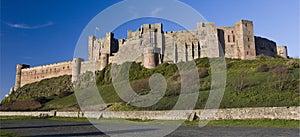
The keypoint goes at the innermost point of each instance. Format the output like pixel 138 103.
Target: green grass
pixel 17 117
pixel 43 88
pixel 277 123
pixel 69 119
pixel 61 103
pixel 4 133
pixel 258 89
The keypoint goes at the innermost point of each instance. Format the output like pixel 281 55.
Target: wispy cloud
pixel 26 26
pixel 156 11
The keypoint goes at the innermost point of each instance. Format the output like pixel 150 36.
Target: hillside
pixel 34 96
pixel 265 82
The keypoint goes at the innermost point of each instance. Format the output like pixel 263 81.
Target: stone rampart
pixel 34 74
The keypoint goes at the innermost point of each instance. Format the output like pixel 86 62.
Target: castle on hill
pixel 158 47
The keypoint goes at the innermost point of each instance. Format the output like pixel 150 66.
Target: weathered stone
pixel 207 40
pixel 292 113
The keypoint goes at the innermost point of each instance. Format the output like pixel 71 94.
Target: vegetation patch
pixel 17 117
pixel 270 123
pixel 267 123
pixel 264 82
pixel 4 133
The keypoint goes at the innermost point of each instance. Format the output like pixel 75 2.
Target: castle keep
pixel 158 47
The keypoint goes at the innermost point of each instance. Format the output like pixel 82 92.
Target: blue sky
pixel 40 32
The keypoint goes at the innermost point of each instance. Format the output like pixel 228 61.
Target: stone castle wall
pixel 207 40
pixel 282 51
pixel 34 74
pixel 265 47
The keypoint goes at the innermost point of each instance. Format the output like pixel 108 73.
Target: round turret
pixel 150 58
pixel 76 68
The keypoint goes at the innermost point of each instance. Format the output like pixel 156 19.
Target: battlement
pixel 159 46
pixel 26 74
pixel 46 66
pixel 201 25
pixel 145 28
pixel 158 27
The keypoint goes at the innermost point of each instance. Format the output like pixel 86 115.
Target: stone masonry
pixel 291 113
pixel 157 46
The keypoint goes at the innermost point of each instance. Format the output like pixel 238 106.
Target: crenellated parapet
pixel 158 46
pixel 26 74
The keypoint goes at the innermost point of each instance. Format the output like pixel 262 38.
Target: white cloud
pixel 155 11
pixel 25 26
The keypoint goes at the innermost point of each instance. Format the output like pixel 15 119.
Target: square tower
pixel 245 40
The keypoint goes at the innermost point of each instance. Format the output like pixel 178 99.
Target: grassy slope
pixel 44 88
pixel 65 103
pixel 258 90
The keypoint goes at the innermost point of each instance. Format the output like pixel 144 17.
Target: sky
pixel 38 32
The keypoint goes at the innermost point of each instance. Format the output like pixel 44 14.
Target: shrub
pixel 42 100
pixel 175 77
pixel 203 72
pixel 241 81
pixel 293 64
pixel 261 57
pixel 64 94
pixel 279 69
pixel 141 87
pixel 281 79
pixel 263 68
pixel 22 105
pixel 205 85
pixel 202 62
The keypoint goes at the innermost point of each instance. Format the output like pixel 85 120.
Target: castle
pixel 158 47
